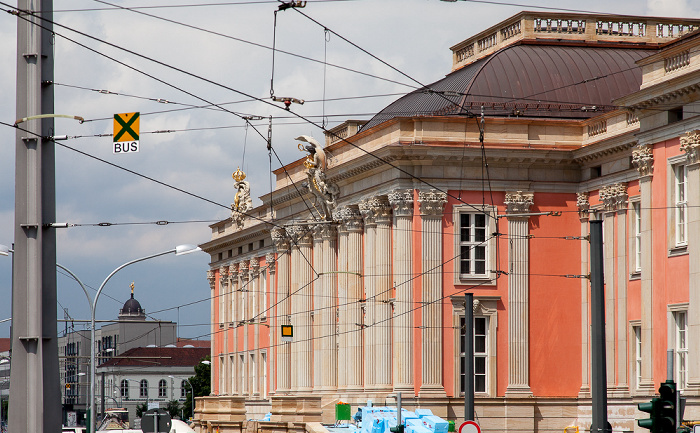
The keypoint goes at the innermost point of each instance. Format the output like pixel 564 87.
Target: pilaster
pixel 690 144
pixel 234 378
pixel 432 205
pixel 517 205
pixel 583 205
pixel 643 160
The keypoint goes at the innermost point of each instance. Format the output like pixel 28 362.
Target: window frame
pixel 124 389
pixel 676 210
pixel 486 309
pixel 678 340
pixel 489 277
pixel 635 237
pixel 143 388
pixel 162 388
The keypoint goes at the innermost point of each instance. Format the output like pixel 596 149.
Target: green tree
pixel 141 409
pixel 173 408
pixel 201 382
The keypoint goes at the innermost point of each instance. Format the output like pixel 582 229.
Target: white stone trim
pixel 489 279
pixel 485 306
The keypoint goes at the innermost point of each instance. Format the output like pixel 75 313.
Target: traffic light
pixel 661 410
pixel 68 387
pixel 667 407
pixel 653 409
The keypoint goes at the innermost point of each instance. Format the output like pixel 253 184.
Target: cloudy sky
pixel 194 53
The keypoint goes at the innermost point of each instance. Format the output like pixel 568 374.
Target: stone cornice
pixel 661 93
pixel 601 150
pixel 227 241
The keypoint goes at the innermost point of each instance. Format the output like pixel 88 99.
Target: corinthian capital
pixel 432 202
pixel 643 160
pixel 211 277
pixel 300 234
pixel 280 239
pixel 350 218
pixel 583 205
pixel 519 202
pixel 614 197
pixel 402 202
pixel 690 144
pixel 233 271
pixel 270 262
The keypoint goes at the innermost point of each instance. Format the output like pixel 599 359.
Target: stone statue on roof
pixel 324 192
pixel 242 202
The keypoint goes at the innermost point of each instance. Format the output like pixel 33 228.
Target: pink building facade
pixel 368 246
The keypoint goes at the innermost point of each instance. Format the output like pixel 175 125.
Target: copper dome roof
pixel 528 80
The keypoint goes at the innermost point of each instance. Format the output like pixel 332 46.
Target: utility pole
pixel 35 397
pixel 599 381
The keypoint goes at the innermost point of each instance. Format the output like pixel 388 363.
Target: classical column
pixel 328 307
pixel 233 349
pixel 342 281
pixel 317 285
pixel 370 294
pixel 273 322
pixel 607 197
pixel 402 203
pixel 517 205
pixel 584 215
pixel 244 272
pixel 643 160
pixel 691 145
pixel 211 277
pixel 351 320
pixel 254 294
pixel 283 309
pixel 301 292
pixel 224 292
pixel 431 203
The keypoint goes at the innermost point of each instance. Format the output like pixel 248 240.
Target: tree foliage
pixel 141 408
pixel 201 382
pixel 173 408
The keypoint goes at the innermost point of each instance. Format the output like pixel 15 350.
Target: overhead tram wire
pixel 163 82
pixel 240 3
pixel 145 177
pixel 254 43
pixel 13 9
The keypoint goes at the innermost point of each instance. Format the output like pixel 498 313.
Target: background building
pixel 368 245
pixel 131 331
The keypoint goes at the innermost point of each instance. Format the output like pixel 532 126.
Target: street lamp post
pixel 191 390
pixel 179 250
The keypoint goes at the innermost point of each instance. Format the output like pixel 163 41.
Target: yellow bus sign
pixel 125 137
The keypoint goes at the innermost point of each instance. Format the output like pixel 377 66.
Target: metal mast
pixel 35 396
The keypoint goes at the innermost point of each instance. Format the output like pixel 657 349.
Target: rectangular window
pixel 472 244
pixel 637 330
pixel 681 203
pixel 681 349
pixel 637 208
pixel 480 354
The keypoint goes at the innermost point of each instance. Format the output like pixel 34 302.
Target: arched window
pixel 162 388
pixel 124 388
pixel 143 388
pixel 183 389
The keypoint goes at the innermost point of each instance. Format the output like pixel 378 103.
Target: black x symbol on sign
pixel 125 125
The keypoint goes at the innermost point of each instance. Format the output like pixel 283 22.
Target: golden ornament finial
pixel 132 288
pixel 238 175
